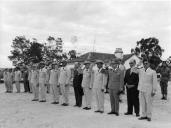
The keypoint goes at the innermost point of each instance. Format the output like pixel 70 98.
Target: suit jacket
pixel 77 80
pixel 54 76
pixel 116 79
pixel 34 77
pixel 86 81
pixel 17 76
pixel 131 78
pixel 42 76
pixel 65 76
pixel 99 79
pixel 147 80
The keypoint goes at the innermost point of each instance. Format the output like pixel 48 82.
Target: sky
pixel 100 26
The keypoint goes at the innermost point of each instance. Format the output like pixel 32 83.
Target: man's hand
pixel 153 94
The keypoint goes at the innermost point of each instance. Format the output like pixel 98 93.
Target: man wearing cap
pixel 131 81
pixel 42 82
pixel 5 77
pixel 165 76
pixel 86 85
pixel 17 78
pixel 64 80
pixel 25 79
pixel 99 80
pixel 54 76
pixel 77 79
pixel 115 85
pixel 34 81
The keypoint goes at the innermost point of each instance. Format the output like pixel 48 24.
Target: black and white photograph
pixel 85 63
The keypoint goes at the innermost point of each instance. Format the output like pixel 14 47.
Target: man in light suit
pixel 147 87
pixel 5 77
pixel 34 81
pixel 53 81
pixel 99 80
pixel 29 78
pixel 42 82
pixel 64 80
pixel 17 79
pixel 115 85
pixel 10 80
pixel 86 81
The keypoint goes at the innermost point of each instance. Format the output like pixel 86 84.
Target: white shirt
pixel 65 75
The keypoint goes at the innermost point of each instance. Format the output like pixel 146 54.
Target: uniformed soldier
pixel 86 85
pixel 165 76
pixel 54 76
pixel 17 79
pixel 64 80
pixel 26 81
pixel 42 83
pixel 99 80
pixel 116 82
pixel 34 80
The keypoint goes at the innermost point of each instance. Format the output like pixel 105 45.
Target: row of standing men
pixel 140 83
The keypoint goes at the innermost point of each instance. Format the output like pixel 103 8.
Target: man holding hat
pixel 87 72
pixel 99 80
pixel 64 80
pixel 54 76
pixel 115 85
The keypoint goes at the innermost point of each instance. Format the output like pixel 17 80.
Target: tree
pixel 19 52
pixel 35 52
pixel 150 49
pixel 72 54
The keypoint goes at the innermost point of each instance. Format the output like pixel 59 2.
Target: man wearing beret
pixel 99 80
pixel 115 85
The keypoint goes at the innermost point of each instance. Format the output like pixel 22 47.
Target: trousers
pixel 87 96
pixel 64 90
pixel 99 99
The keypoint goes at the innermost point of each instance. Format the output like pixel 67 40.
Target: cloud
pixel 111 24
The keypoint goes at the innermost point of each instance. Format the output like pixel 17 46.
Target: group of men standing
pixel 140 84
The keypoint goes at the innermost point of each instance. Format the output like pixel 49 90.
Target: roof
pixel 92 56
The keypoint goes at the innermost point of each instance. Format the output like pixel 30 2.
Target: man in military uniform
pixel 64 80
pixel 17 78
pixel 53 81
pixel 42 82
pixel 34 81
pixel 165 76
pixel 116 82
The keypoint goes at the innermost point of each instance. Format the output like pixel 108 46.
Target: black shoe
pixel 111 113
pixel 85 108
pixel 88 108
pixel 75 105
pixel 55 103
pixel 101 112
pixel 162 98
pixel 116 113
pixel 35 100
pixel 148 119
pixel 142 118
pixel 165 98
pixel 137 115
pixel 127 113
pixel 42 101
pixel 64 104
pixel 97 111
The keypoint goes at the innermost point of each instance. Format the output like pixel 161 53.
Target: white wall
pixel 127 61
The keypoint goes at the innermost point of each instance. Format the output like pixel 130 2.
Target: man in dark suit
pixel 131 81
pixel 77 80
